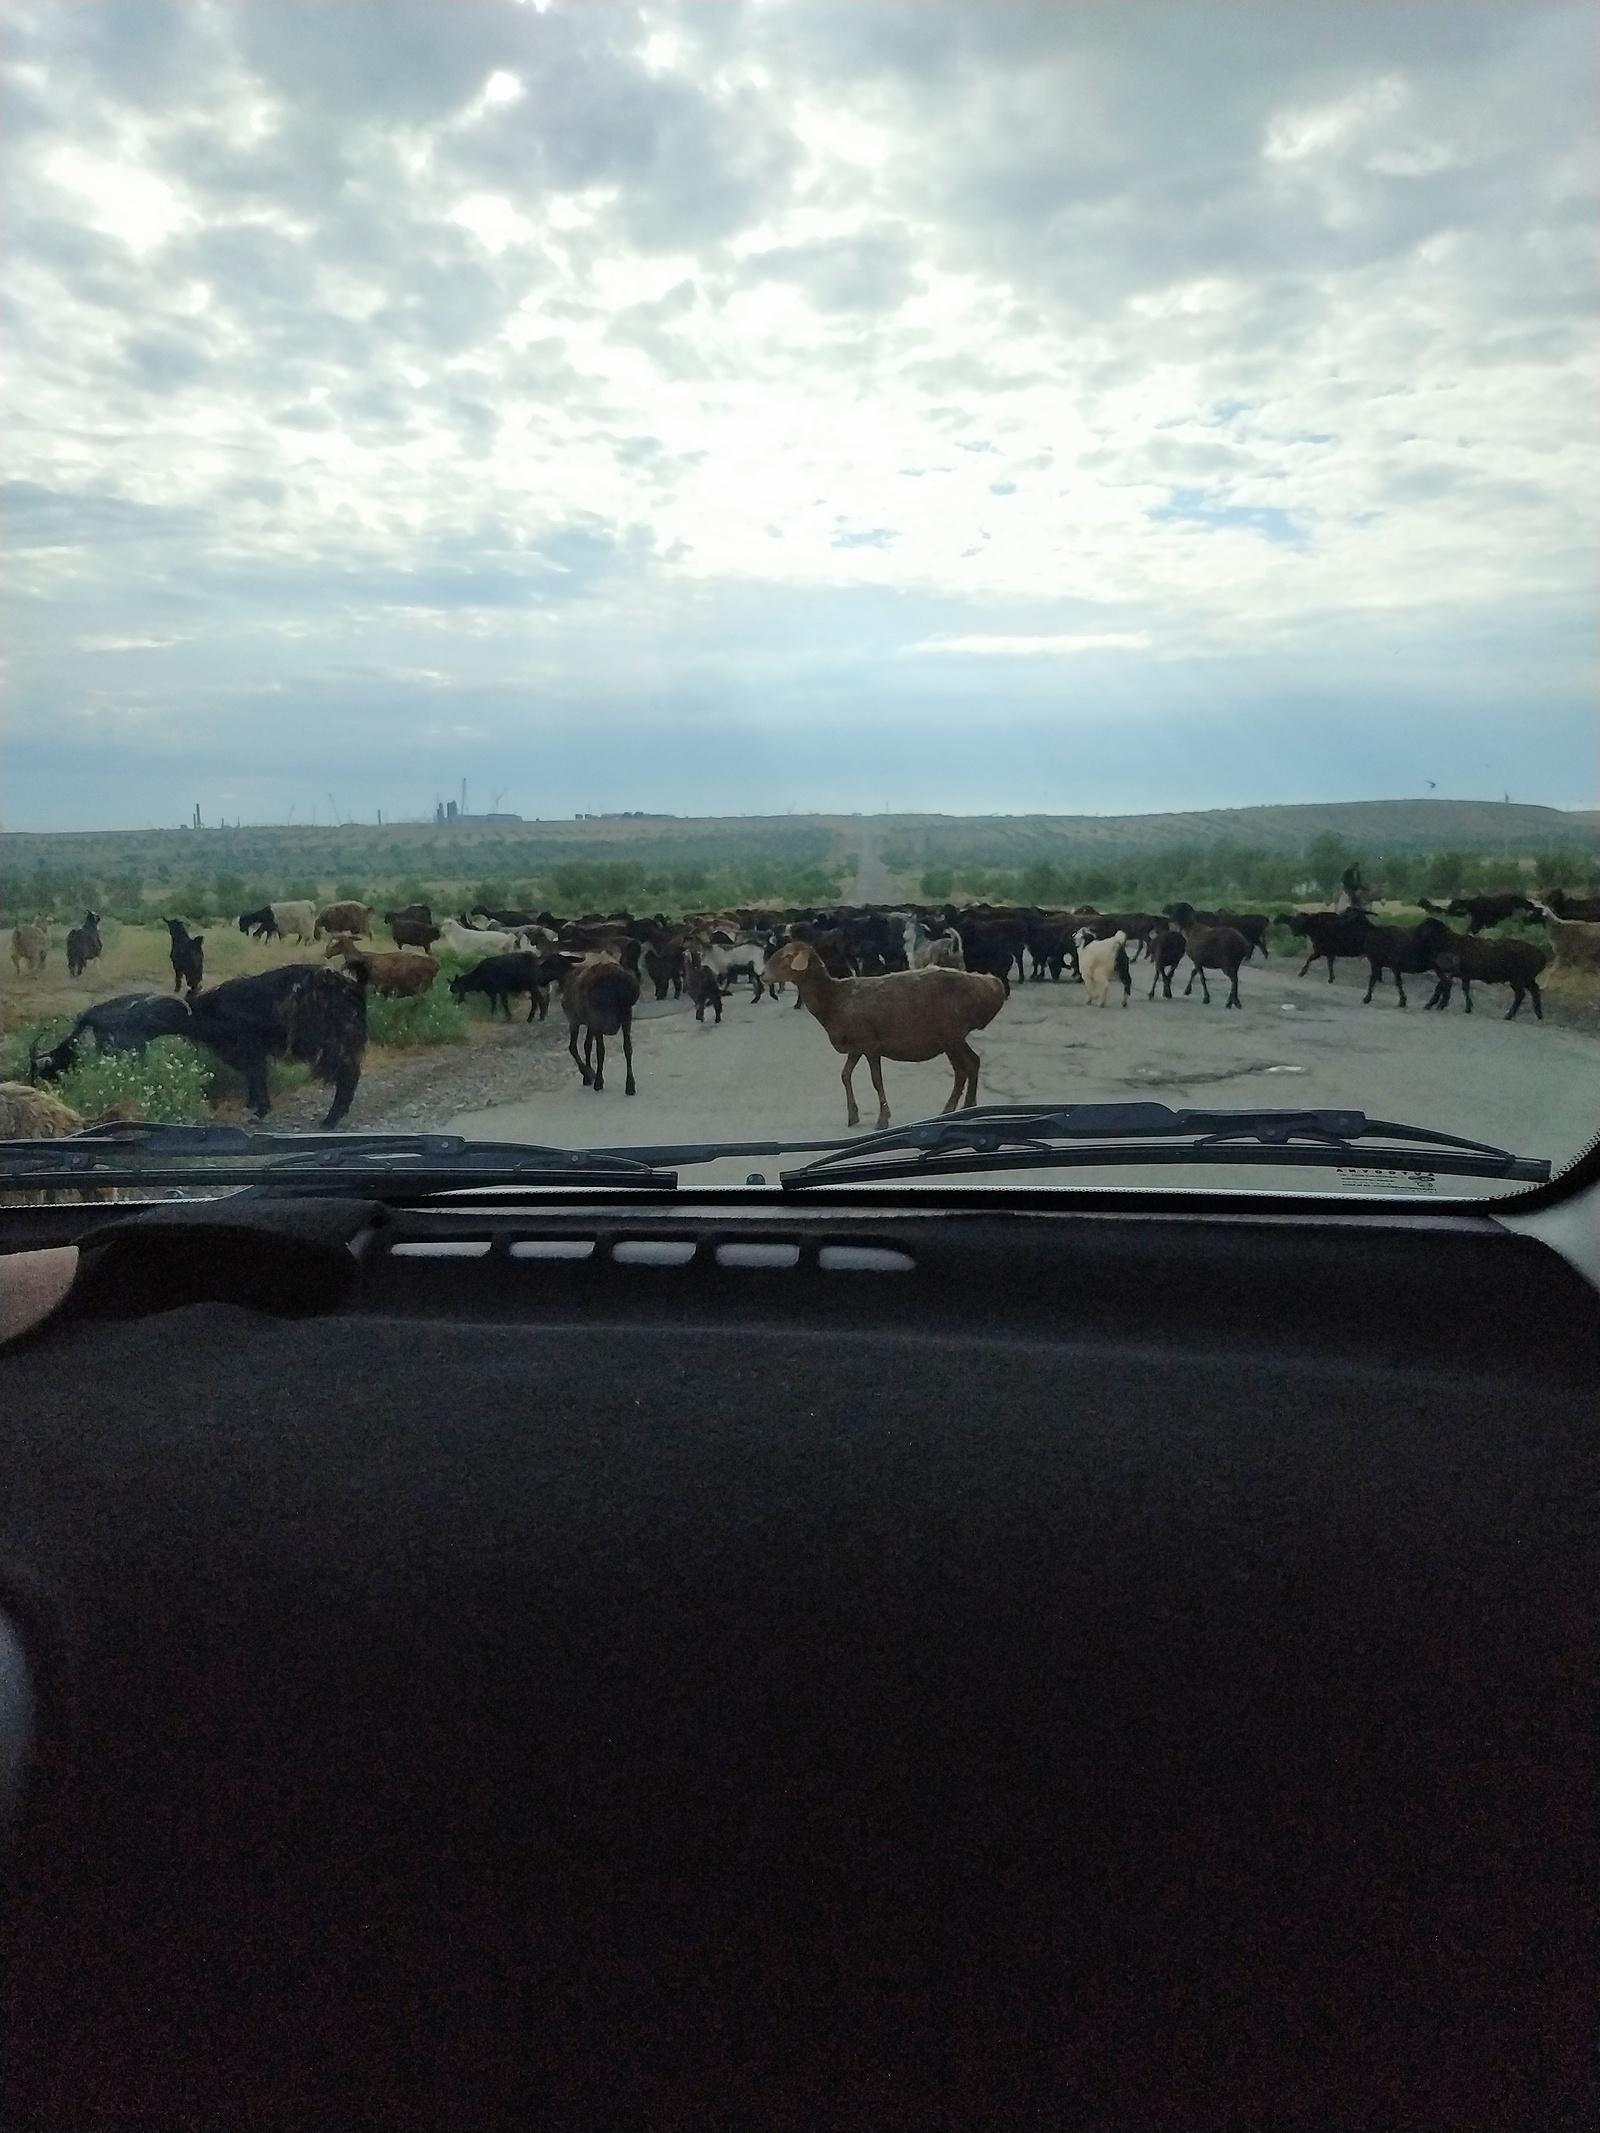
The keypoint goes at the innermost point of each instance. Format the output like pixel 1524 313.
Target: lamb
pixel 354 918
pixel 1097 961
pixel 1211 948
pixel 398 977
pixel 30 945
pixel 126 1024
pixel 83 944
pixel 598 997
pixel 261 925
pixel 188 957
pixel 908 1014
pixel 298 1011
pixel 1574 943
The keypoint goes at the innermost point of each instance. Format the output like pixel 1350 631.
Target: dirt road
pixel 768 1071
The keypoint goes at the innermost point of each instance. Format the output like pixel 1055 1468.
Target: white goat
pixel 932 951
pixel 1097 961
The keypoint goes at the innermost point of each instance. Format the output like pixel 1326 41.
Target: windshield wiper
pixel 198 1156
pixel 1065 1136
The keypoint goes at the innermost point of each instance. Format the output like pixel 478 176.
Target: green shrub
pixel 937 882
pixel 431 1018
pixel 170 1081
pixel 349 892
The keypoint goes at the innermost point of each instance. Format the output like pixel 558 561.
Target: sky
pixel 812 404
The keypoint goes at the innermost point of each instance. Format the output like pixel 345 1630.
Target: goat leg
pixel 875 1069
pixel 852 1116
pixel 630 1087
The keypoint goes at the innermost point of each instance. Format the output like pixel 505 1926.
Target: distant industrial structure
pixel 449 811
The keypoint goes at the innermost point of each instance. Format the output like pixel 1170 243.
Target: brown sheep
pixel 343 918
pixel 907 1014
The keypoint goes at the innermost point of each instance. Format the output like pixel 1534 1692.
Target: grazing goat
pixel 1574 944
pixel 412 932
pixel 261 925
pixel 704 990
pixel 353 918
pixel 1556 903
pixel 83 944
pixel 1211 948
pixel 1097 960
pixel 497 977
pixel 1473 960
pixel 188 957
pixel 397 977
pixel 299 1011
pixel 126 1024
pixel 1328 934
pixel 599 997
pixel 30 945
pixel 908 1014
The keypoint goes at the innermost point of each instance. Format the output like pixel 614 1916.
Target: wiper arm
pixel 1065 1136
pixel 133 1154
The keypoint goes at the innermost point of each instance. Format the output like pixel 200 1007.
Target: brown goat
pixel 399 977
pixel 907 1014
pixel 598 996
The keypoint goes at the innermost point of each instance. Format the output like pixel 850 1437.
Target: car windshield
pixel 704 581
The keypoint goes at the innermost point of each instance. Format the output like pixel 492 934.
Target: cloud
pixel 546 334
pixel 1054 647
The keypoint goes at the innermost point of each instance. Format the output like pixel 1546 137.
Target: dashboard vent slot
pixel 568 1248
pixel 654 1251
pixel 864 1259
pixel 758 1255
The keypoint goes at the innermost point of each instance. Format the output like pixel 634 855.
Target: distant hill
pixel 1493 827
pixel 483 849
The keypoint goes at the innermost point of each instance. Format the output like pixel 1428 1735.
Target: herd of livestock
pixel 905 983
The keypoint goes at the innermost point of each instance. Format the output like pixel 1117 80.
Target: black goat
pixel 83 944
pixel 1473 960
pixel 499 976
pixel 261 925
pixel 126 1024
pixel 1328 934
pixel 1211 948
pixel 188 957
pixel 300 1011
pixel 1407 951
pixel 705 991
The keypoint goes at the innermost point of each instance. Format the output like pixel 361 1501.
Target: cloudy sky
pixel 796 403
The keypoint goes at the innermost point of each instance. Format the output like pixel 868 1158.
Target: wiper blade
pixel 1066 1136
pixel 133 1154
